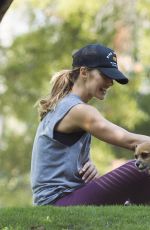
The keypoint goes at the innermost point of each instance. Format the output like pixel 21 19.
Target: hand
pixel 89 172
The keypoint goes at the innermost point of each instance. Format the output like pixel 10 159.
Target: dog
pixel 142 156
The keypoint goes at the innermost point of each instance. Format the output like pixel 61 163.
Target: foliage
pixel 57 28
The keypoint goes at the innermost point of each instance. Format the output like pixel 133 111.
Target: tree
pixel 4 5
pixel 33 57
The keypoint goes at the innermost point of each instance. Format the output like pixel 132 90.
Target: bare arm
pixel 89 119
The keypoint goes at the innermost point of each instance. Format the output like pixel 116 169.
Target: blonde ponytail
pixel 62 83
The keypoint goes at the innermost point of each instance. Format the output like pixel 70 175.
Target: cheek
pixel 90 84
pixel 94 83
pixel 148 160
pixel 94 86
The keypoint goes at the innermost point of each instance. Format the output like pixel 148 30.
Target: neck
pixel 79 91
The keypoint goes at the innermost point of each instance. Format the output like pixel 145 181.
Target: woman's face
pixel 97 84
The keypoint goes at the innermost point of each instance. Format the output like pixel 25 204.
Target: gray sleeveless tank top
pixel 55 166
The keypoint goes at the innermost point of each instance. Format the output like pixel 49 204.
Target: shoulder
pixel 84 115
pixel 83 110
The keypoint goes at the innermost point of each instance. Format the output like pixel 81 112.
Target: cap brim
pixel 115 74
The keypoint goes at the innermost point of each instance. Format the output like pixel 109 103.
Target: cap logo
pixel 113 64
pixel 114 58
pixel 108 56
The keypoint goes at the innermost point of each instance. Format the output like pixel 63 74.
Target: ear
pixel 83 72
pixel 135 147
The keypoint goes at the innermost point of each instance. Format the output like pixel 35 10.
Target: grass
pixel 76 218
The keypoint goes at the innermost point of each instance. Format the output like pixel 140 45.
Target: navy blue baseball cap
pixel 99 57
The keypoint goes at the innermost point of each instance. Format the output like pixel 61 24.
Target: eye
pixel 144 155
pixel 136 156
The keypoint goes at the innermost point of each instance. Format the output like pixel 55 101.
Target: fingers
pixel 97 175
pixel 85 167
pixel 89 172
pixel 89 175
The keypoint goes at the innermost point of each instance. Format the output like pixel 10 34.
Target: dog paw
pixel 127 203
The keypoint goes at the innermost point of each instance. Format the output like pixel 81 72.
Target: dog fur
pixel 142 156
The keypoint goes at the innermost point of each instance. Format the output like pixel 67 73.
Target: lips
pixel 142 167
pixel 104 90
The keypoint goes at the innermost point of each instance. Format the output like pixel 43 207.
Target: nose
pixel 137 163
pixel 110 82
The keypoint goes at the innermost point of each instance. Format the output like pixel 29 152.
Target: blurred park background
pixel 37 39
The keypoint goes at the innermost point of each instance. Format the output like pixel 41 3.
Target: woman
pixel 61 171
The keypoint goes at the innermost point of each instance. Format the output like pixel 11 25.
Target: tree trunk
pixel 4 5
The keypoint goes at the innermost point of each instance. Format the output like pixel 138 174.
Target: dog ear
pixel 136 146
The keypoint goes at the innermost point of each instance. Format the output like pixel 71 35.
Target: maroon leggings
pixel 115 187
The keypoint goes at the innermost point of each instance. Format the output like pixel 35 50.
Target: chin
pixel 100 98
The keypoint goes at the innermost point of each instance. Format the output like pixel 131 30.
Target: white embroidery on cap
pixel 114 64
pixel 108 56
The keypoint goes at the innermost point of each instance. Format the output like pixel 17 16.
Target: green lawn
pixel 79 217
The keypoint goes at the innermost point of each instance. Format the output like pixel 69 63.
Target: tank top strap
pixel 62 108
